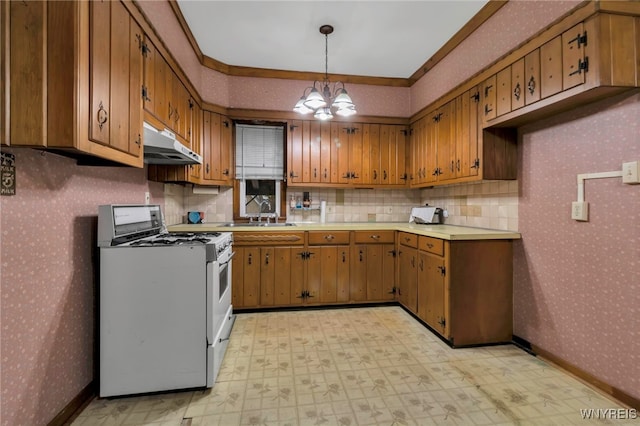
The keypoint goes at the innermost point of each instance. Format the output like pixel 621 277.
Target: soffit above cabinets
pixel 371 38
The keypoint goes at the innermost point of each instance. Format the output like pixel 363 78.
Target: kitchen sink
pixel 265 224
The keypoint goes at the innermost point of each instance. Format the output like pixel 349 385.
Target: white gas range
pixel 165 303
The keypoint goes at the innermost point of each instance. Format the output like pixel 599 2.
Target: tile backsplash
pixel 485 204
pixel 490 204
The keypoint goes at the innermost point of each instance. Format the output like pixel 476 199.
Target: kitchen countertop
pixel 445 232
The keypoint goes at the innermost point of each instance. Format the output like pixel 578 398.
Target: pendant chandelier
pixel 320 98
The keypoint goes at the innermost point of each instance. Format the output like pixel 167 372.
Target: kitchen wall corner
pixel 488 204
pixel 180 199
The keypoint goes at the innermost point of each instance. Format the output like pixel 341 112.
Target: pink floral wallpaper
pixel 47 288
pixel 512 25
pixel 577 284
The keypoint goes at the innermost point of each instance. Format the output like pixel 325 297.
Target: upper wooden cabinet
pixel 560 70
pixel 167 102
pixel 448 145
pixel 217 167
pixel 75 77
pixel 334 154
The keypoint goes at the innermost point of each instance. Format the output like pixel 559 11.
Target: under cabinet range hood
pixel 162 147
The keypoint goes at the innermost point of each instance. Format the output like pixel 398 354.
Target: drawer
pixel 407 239
pixel 432 245
pixel 366 237
pixel 317 238
pixel 268 238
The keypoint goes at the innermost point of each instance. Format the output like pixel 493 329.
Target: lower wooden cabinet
pixel 465 289
pixel 407 288
pixel 461 289
pixel 373 266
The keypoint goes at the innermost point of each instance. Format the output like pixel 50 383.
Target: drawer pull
pixel 329 237
pixel 430 245
pixel 375 237
pixel 407 239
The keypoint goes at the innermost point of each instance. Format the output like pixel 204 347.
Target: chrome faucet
pixel 262 204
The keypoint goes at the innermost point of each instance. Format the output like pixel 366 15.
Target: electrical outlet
pixel 630 173
pixel 388 209
pixel 147 198
pixel 580 211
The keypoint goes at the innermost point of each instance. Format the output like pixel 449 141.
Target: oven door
pixel 218 305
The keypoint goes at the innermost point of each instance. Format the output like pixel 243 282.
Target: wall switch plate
pixel 388 209
pixel 147 198
pixel 580 211
pixel 631 173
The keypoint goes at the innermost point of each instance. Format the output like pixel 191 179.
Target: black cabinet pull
pixel 315 173
pixel 531 85
pixel 249 259
pixel 413 261
pixel 325 173
pixel 361 254
pixel 458 164
pixel 375 174
pixel 384 175
pixel 266 258
pixel 344 257
pixel 516 92
pixel 422 264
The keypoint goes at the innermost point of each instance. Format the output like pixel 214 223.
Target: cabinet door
pixel 407 290
pixel 532 77
pixel 355 153
pixel 370 153
pixel 517 84
pixel 315 159
pixel 285 272
pixel 358 285
pixel 431 294
pixel 294 151
pixel 343 274
pixel 115 64
pixel 206 145
pixel 503 91
pixel 267 276
pixel 226 151
pixel 573 61
pixel 388 144
pixel 306 150
pixel 251 276
pixel 551 67
pixel 328 288
pixel 446 146
pixel 467 134
pixel 489 97
pixel 149 64
pixel 430 168
pixel 195 170
pixel 340 153
pixel 325 152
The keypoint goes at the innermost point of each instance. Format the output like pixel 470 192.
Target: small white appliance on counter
pixel 426 215
pixel 165 303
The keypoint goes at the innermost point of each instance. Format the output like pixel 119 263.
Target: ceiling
pixel 391 38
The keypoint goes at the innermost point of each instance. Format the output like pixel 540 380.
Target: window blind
pixel 259 152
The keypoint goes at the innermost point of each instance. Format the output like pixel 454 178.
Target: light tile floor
pixel 362 366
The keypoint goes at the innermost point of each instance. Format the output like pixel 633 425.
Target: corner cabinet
pixel 75 78
pixel 465 289
pixel 564 68
pixel 449 146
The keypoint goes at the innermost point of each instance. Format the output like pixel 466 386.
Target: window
pixel 259 170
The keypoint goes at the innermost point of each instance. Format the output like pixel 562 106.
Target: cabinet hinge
pixel 145 93
pixel 405 132
pixel 437 117
pixel 476 97
pixel 582 66
pixel 226 123
pixel 581 39
pixel 191 103
pixel 394 290
pixel 392 253
pixel 292 127
pixel 476 164
pixel 443 270
pixel 442 322
pixel 144 49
